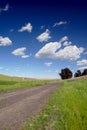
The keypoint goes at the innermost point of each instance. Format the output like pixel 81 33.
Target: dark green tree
pixel 78 73
pixel 66 73
pixel 84 72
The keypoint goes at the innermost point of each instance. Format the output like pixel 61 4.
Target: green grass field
pixel 13 83
pixel 66 110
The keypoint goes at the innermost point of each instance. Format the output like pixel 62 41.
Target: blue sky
pixel 39 38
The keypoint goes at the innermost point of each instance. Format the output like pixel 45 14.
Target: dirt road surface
pixel 17 106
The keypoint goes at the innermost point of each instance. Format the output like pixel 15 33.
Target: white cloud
pixel 69 53
pixel 28 27
pixel 25 56
pixel 82 62
pixel 49 50
pixel 63 39
pixel 60 23
pixel 48 64
pixel 44 36
pixel 6 8
pixel 5 41
pixel 20 52
pixel 82 68
pixel 67 43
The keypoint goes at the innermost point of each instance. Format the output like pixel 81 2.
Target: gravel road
pixel 17 106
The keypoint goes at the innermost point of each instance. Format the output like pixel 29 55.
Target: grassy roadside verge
pixel 18 84
pixel 66 110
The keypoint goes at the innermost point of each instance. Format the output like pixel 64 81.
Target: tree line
pixel 66 73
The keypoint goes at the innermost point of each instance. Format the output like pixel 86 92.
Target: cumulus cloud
pixel 5 41
pixel 64 39
pixel 60 23
pixel 20 52
pixel 6 8
pixel 82 68
pixel 82 62
pixel 28 27
pixel 50 50
pixel 44 36
pixel 67 43
pixel 69 53
pixel 48 64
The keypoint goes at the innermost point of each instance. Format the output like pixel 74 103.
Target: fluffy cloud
pixel 49 50
pixel 60 23
pixel 44 36
pixel 64 39
pixel 69 53
pixel 82 68
pixel 25 56
pixel 5 41
pixel 20 52
pixel 28 27
pixel 48 64
pixel 6 8
pixel 66 43
pixel 82 62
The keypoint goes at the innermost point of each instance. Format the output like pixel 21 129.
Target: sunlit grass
pixel 66 110
pixel 13 83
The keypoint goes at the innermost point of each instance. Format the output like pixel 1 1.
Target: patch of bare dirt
pixel 16 107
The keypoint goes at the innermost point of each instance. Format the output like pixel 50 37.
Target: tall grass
pixel 66 110
pixel 13 83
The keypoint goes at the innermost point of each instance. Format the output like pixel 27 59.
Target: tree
pixel 78 73
pixel 84 72
pixel 66 73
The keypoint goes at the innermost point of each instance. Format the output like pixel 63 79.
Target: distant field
pixel 10 78
pixel 13 83
pixel 66 110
